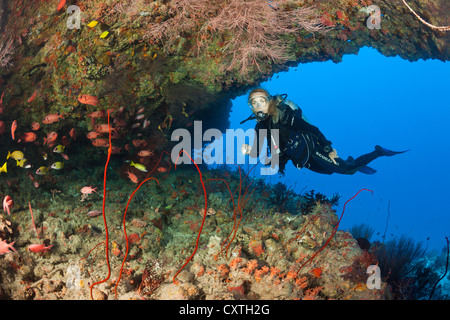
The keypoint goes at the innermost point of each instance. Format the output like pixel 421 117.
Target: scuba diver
pixel 300 141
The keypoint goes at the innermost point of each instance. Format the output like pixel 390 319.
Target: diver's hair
pixel 273 111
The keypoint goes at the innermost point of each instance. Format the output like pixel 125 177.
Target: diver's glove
pixel 333 155
pixel 246 149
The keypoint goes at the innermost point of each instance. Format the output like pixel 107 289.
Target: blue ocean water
pixel 370 99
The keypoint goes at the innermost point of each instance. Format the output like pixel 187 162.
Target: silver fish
pixel 94 213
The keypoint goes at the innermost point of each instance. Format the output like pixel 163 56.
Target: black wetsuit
pixel 306 146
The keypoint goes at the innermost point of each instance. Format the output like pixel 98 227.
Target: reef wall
pixel 182 61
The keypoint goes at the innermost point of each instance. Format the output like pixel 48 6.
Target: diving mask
pixel 258 102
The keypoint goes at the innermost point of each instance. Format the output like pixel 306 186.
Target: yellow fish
pixel 42 170
pixel 138 166
pixel 184 113
pixel 57 165
pixel 3 169
pixel 104 35
pixel 92 24
pixel 20 163
pixel 16 155
pixel 59 148
pixel 23 163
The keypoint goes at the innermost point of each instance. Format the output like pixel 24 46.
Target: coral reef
pixel 261 262
pixel 151 67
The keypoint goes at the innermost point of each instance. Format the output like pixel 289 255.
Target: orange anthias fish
pixel 13 128
pixel 28 137
pixel 35 126
pixel 37 248
pixel 96 114
pixel 116 150
pixel 61 5
pixel 145 153
pixel 73 134
pixel 104 128
pixel 139 143
pixel 5 247
pixel 65 141
pixel 161 169
pixel 2 127
pixel 51 137
pixel 87 99
pixel 7 204
pixel 1 102
pixel 51 118
pixel 132 177
pixel 92 135
pixel 88 190
pixel 100 143
pixel 33 96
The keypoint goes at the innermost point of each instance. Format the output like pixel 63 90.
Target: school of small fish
pixel 57 143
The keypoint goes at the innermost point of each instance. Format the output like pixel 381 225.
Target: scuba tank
pixel 291 104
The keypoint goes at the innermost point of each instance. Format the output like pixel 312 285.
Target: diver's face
pixel 259 102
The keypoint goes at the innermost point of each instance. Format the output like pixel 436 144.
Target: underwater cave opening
pixel 365 100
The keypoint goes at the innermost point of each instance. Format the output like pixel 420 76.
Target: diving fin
pixel 386 152
pixel 364 169
pixel 367 170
